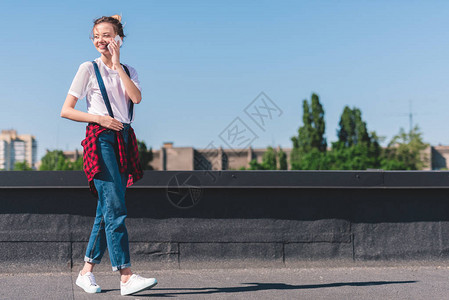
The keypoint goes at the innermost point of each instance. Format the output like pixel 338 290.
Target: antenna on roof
pixel 410 116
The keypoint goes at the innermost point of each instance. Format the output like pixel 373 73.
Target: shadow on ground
pixel 254 286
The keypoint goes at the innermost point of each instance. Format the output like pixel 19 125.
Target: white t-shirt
pixel 85 84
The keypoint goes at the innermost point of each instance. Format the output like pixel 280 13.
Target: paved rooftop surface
pixel 420 282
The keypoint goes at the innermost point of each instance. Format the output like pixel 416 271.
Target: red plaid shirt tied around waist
pixel 128 161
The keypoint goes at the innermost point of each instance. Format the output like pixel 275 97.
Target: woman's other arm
pixel 131 89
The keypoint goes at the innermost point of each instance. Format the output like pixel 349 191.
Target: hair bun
pixel 117 17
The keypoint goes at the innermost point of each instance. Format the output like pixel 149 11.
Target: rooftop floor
pixel 400 282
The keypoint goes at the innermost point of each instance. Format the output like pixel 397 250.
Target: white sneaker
pixel 136 284
pixel 87 283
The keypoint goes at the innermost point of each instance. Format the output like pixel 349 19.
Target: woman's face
pixel 103 34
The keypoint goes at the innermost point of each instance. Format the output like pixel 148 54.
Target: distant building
pixel 73 155
pixel 216 158
pixel 189 158
pixel 440 157
pixel 17 148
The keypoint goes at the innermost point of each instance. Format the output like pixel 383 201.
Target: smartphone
pixel 118 40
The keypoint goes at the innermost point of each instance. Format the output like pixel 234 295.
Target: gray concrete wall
pixel 197 219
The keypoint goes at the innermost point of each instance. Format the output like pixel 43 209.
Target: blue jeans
pixel 109 228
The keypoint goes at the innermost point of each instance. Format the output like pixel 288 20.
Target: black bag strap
pixel 103 89
pixel 105 94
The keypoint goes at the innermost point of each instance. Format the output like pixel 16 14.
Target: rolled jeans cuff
pixel 90 260
pixel 124 266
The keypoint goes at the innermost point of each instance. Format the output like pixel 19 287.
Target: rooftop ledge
pixel 372 179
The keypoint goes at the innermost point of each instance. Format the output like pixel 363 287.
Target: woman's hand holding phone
pixel 114 49
pixel 119 42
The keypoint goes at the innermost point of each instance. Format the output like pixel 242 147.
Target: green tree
pixel 311 134
pixel 22 166
pixel 268 161
pixel 254 165
pixel 405 152
pixel 356 149
pixel 355 157
pixel 76 165
pixel 353 129
pixel 314 160
pixel 282 156
pixel 55 161
pixel 145 155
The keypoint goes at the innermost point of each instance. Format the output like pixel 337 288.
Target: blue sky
pixel 201 63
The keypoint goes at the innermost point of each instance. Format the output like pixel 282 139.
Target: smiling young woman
pixel 111 161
